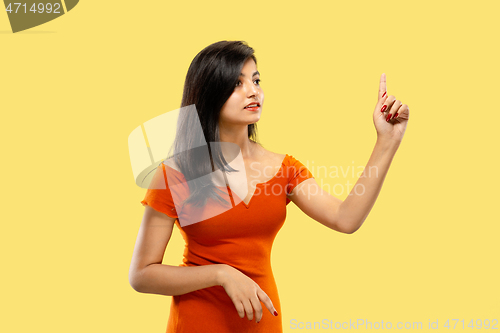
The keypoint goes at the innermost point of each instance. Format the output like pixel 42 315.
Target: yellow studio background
pixel 74 88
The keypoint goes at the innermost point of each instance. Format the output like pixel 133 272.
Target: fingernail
pixel 275 313
pixel 396 115
pixel 384 94
pixel 383 108
pixel 388 117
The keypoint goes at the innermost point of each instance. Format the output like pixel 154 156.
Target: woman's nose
pixel 252 90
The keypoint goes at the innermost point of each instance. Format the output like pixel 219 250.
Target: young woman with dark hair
pixel 226 272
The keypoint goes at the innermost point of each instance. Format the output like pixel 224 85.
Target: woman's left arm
pixel 355 208
pixel 390 118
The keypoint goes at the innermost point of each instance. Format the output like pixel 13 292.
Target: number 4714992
pixel 479 323
pixel 41 8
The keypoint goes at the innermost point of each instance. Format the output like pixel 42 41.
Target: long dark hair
pixel 210 81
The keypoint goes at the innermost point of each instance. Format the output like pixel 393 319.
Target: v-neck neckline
pixel 247 206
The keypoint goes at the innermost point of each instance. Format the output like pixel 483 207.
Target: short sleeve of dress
pixel 297 173
pixel 158 195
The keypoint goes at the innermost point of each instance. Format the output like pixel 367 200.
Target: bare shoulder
pixel 271 157
pixel 280 157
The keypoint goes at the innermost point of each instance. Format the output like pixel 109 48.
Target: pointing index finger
pixel 382 87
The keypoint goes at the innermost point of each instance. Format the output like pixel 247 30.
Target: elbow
pixel 135 286
pixel 134 281
pixel 350 231
pixel 343 223
pixel 350 228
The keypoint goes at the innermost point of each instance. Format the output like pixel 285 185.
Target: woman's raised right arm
pixel 148 275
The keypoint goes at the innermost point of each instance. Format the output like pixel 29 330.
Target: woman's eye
pixel 257 82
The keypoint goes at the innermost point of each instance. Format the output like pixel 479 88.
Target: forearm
pixel 175 280
pixel 358 204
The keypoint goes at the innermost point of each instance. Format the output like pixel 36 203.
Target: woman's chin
pixel 256 119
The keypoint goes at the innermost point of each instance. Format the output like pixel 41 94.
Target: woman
pixel 226 273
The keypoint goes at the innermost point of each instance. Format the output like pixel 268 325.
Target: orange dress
pixel 241 237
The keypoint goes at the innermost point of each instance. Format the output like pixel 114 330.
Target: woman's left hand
pixel 390 116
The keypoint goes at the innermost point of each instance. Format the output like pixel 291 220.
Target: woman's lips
pixel 253 109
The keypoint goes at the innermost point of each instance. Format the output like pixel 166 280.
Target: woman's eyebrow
pixel 256 73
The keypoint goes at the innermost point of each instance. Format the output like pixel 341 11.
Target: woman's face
pixel 246 92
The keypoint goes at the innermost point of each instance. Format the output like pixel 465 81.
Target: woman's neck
pixel 240 138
